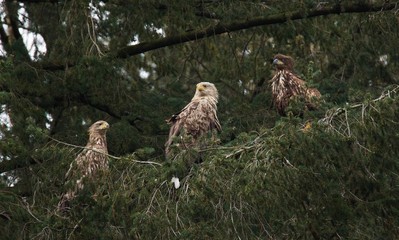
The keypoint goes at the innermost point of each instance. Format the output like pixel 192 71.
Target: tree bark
pixel 14 44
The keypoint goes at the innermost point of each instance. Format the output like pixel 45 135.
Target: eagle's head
pixel 283 62
pixel 206 89
pixel 99 127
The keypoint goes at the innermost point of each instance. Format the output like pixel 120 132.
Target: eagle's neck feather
pixel 98 141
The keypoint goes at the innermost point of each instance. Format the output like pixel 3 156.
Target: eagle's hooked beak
pixel 277 62
pixel 200 87
pixel 104 125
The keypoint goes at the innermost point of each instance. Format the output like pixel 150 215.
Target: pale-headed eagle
pixel 198 117
pixel 286 85
pixel 92 161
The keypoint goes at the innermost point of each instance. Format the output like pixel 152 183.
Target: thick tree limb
pixel 11 9
pixel 221 28
pixel 4 38
pixel 12 40
pixel 40 1
pixel 240 25
pixel 107 109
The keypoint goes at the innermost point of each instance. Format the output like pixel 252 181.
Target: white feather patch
pixel 176 182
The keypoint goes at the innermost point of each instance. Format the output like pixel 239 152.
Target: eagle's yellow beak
pixel 277 62
pixel 104 125
pixel 200 87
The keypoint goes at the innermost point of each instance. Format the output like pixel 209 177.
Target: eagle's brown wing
pixel 73 177
pixel 312 98
pixel 73 167
pixel 311 95
pixel 196 119
pixel 215 121
pixel 297 85
pixel 177 122
pixel 299 88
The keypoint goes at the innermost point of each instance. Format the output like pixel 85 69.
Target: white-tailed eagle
pixel 286 85
pixel 92 161
pixel 197 118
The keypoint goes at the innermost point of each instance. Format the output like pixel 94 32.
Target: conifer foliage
pixel 331 173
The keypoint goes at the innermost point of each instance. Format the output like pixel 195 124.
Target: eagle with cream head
pixel 196 118
pixel 88 164
pixel 286 85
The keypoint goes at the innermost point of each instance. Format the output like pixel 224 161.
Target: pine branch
pixel 334 115
pixel 240 25
pixel 221 28
pixel 6 166
pixel 15 164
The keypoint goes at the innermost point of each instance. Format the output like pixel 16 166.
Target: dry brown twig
pixel 332 114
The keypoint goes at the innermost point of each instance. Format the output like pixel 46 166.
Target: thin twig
pixel 74 228
pixel 331 114
pixel 30 212
pixel 347 123
pixel 108 155
pixel 76 146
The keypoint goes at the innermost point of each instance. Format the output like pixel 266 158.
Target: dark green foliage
pixel 337 178
pixel 328 174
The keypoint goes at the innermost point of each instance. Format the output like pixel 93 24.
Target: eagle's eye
pixel 205 86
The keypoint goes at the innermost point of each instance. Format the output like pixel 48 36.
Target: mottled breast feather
pixel 286 85
pixel 196 118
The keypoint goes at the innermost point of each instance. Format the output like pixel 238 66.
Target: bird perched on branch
pixel 91 162
pixel 286 86
pixel 197 118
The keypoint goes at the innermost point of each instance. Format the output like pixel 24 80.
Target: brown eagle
pixel 88 164
pixel 286 85
pixel 198 117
